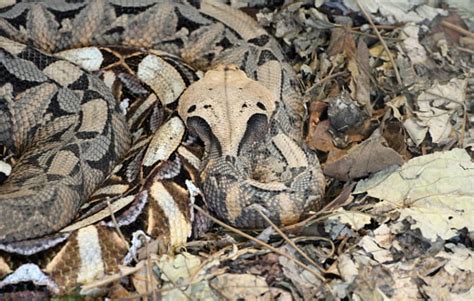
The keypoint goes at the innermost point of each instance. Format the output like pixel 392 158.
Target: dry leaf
pixel 459 259
pixel 397 11
pixel 411 44
pixel 342 41
pixel 241 286
pixel 378 51
pixel 347 268
pixel 379 244
pixel 437 107
pixel 184 275
pixel 319 139
pixel 305 282
pixel 436 190
pixel 359 84
pixel 357 220
pixel 368 157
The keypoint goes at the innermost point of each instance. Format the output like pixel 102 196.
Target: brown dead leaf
pixel 394 134
pixel 342 40
pixel 366 158
pixel 317 108
pixel 119 292
pixel 318 137
pixel 336 154
pixel 359 84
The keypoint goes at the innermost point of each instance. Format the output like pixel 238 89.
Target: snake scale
pixel 82 144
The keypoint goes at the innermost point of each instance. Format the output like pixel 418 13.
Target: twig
pixel 330 242
pixel 290 242
pixel 112 278
pixel 470 51
pixel 378 26
pixel 457 29
pixel 373 36
pixel 116 226
pixel 326 78
pixel 259 242
pixel 367 16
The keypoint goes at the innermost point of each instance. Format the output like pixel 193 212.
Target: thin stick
pixel 113 278
pixel 378 26
pixel 259 242
pixel 290 242
pixel 457 29
pixel 116 226
pixel 465 50
pixel 395 68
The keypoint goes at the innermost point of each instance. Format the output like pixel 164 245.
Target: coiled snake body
pixel 82 149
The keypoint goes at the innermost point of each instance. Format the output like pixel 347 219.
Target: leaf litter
pixel 390 91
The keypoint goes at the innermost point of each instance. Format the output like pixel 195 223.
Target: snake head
pixel 227 110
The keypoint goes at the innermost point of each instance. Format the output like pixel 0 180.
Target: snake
pixel 198 104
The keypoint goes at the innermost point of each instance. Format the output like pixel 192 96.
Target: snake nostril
pixel 261 106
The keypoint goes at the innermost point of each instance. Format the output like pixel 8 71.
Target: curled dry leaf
pixel 411 44
pixel 438 107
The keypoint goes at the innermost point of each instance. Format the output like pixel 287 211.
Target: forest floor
pixel 390 96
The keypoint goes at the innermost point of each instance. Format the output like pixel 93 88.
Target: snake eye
pixel 261 106
pixel 192 109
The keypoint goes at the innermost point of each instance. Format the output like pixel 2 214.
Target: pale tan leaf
pixel 436 190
